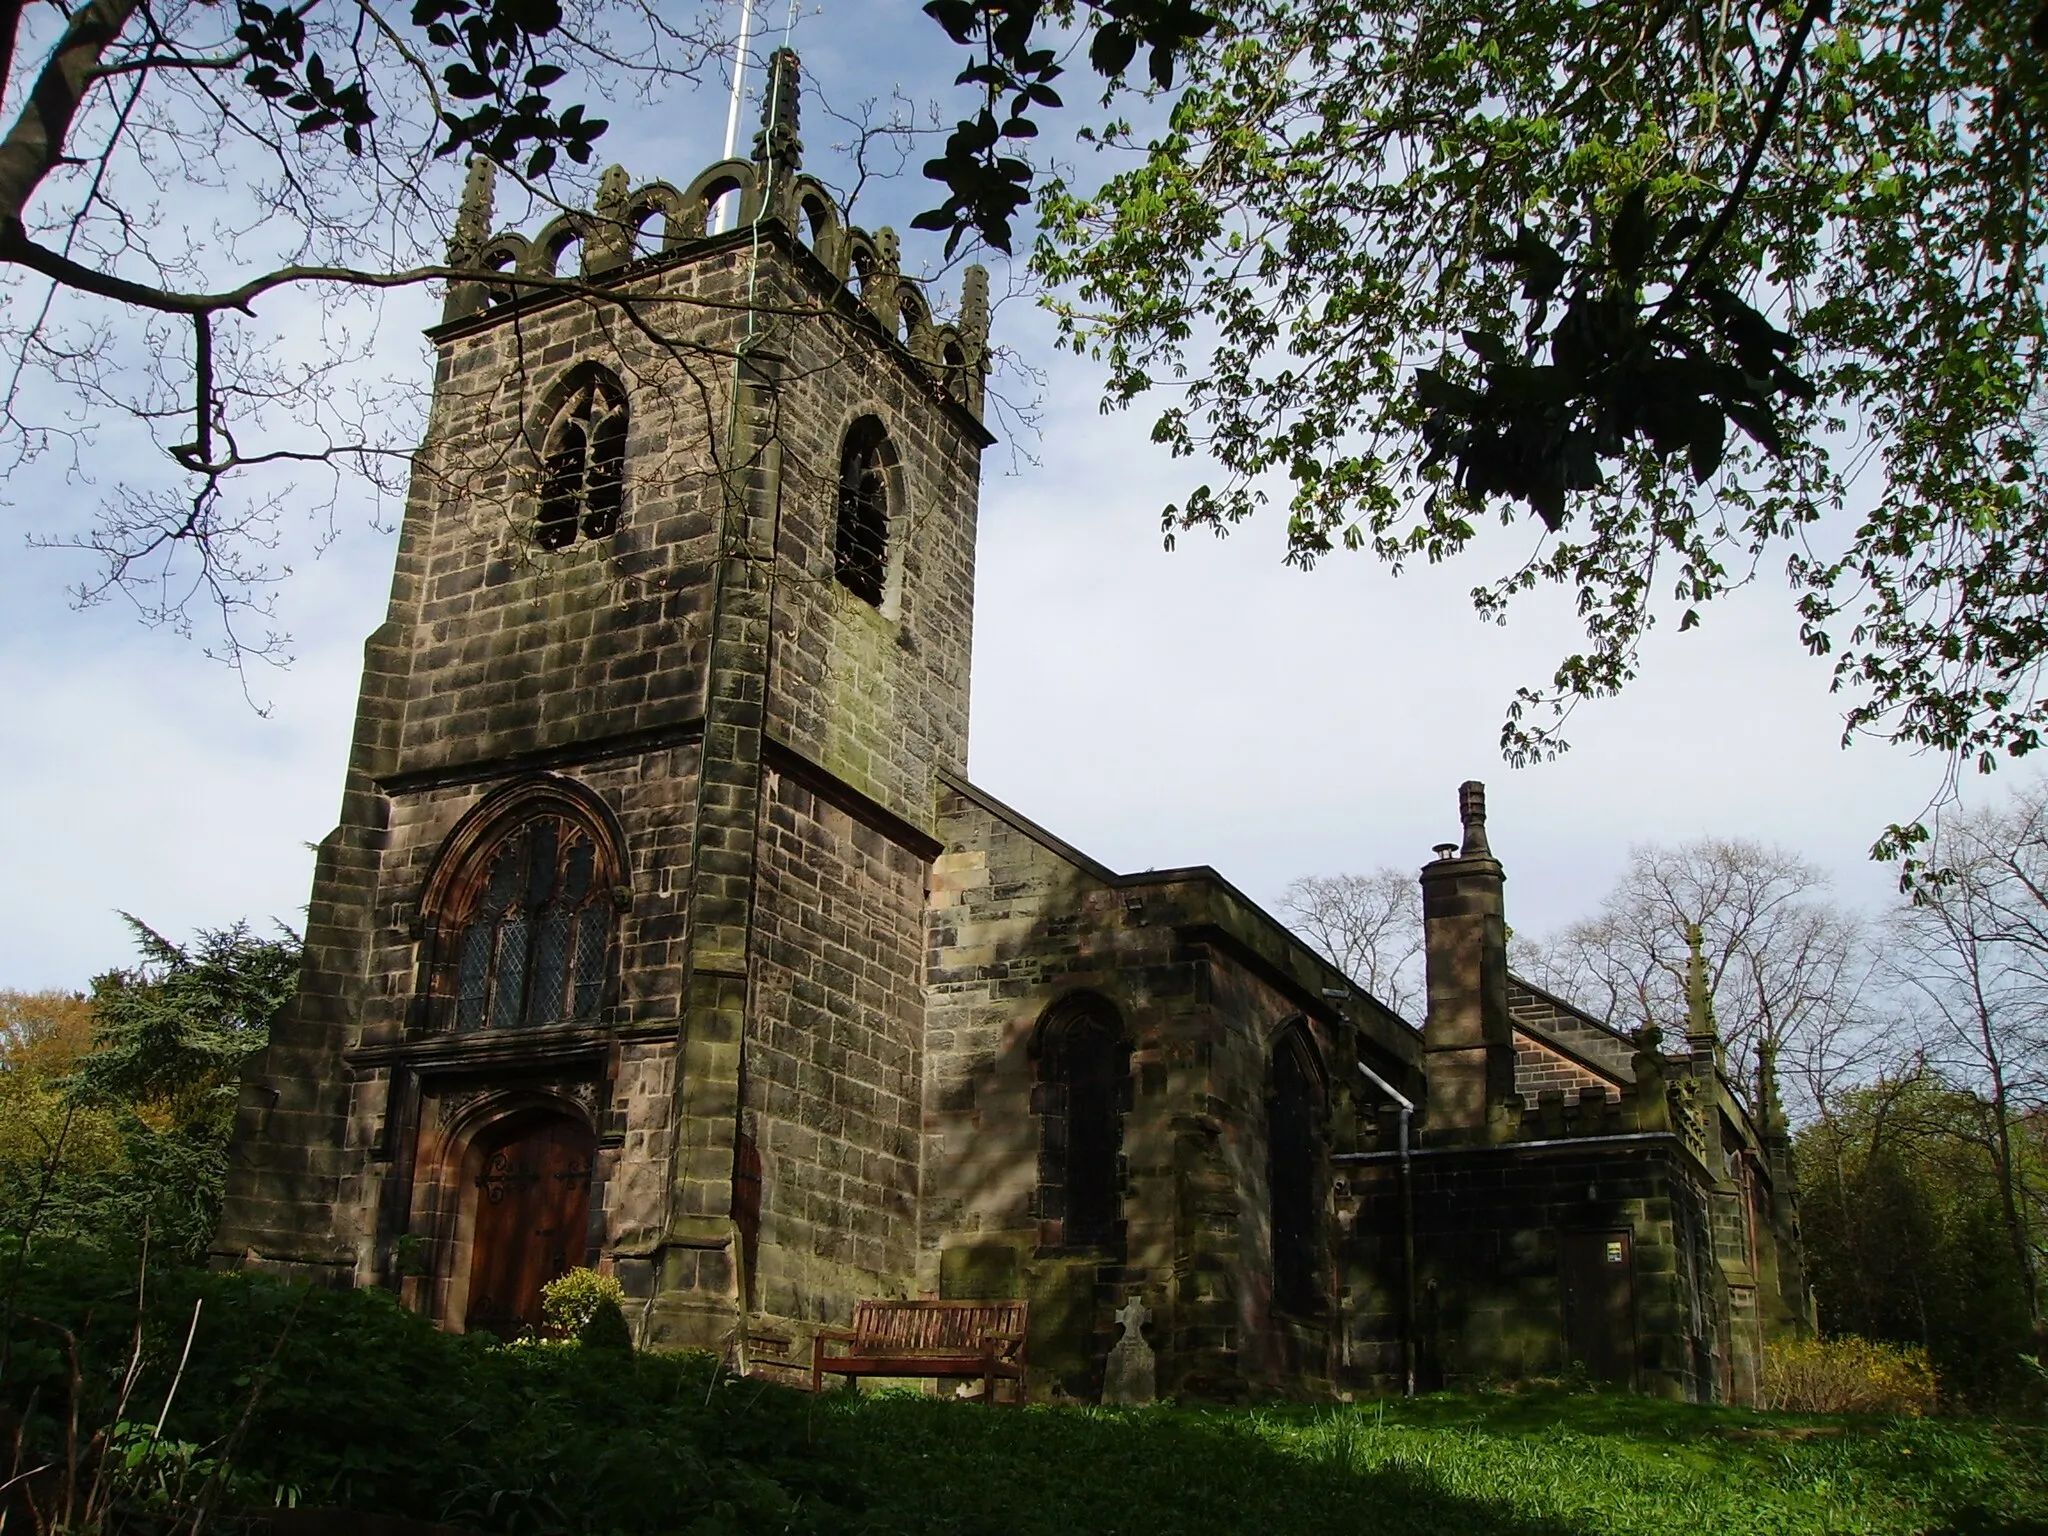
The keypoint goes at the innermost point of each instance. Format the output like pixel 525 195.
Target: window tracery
pixel 583 464
pixel 522 914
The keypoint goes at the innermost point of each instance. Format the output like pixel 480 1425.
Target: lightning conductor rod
pixel 728 205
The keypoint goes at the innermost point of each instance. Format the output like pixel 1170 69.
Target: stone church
pixel 663 931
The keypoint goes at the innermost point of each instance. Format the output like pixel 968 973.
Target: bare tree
pixel 202 206
pixel 1788 968
pixel 1971 950
pixel 1369 927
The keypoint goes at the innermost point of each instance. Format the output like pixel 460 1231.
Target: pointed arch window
pixel 1082 1093
pixel 1294 1128
pixel 860 546
pixel 583 463
pixel 523 916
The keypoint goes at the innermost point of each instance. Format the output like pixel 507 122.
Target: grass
pixel 343 1399
pixel 1547 1464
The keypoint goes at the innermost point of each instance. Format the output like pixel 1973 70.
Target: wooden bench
pixel 964 1339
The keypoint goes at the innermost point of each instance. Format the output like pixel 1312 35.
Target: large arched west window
pixel 860 545
pixel 1083 1089
pixel 1294 1131
pixel 522 912
pixel 582 461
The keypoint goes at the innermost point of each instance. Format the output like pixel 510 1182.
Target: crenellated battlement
pixel 615 238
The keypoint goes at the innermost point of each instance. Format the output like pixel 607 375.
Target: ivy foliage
pixel 1704 289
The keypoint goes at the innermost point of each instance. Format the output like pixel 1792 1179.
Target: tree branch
pixel 34 146
pixel 1765 128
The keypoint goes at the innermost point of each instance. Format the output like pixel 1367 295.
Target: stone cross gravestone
pixel 1128 1378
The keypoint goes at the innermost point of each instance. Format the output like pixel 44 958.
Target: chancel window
pixel 861 543
pixel 533 946
pixel 583 464
pixel 1082 1092
pixel 1294 1103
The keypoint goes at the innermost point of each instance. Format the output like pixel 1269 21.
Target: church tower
pixel 617 954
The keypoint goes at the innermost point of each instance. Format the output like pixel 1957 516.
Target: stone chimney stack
pixel 1468 1039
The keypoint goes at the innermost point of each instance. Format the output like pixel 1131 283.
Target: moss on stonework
pixel 1061 1345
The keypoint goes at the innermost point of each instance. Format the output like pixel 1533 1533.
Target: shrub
pixel 584 1302
pixel 344 1399
pixel 1847 1375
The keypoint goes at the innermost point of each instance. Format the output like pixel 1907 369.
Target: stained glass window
pixel 532 948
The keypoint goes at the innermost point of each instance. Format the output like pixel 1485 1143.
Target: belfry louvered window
pixel 534 944
pixel 583 464
pixel 861 543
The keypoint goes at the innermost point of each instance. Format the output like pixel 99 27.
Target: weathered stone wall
pixel 1489 1294
pixel 1290 1350
pixel 600 662
pixel 1539 1069
pixel 1553 1016
pixel 1017 923
pixel 876 696
pixel 1013 926
pixel 834 1068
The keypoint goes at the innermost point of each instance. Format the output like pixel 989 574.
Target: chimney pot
pixel 1472 811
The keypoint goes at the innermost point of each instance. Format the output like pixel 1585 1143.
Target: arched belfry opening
pixel 860 550
pixel 582 480
pixel 528 1176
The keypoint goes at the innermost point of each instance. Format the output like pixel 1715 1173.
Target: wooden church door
pixel 1599 1304
pixel 532 1220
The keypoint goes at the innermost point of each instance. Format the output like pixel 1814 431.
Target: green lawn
pixel 1535 1465
pixel 343 1399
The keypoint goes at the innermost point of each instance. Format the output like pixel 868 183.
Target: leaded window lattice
pixel 533 948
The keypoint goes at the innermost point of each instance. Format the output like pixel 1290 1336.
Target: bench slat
pixel 921 1364
pixel 929 1338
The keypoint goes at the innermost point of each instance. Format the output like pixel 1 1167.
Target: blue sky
pixel 1204 706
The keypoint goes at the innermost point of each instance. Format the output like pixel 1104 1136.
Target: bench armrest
pixel 834 1333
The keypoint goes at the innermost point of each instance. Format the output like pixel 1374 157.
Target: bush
pixel 1847 1375
pixel 344 1399
pixel 586 1306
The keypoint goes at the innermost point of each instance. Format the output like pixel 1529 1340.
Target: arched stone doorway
pixel 532 1222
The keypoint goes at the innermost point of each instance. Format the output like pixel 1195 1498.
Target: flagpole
pixel 732 111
